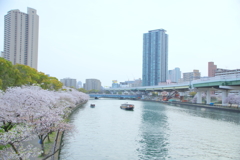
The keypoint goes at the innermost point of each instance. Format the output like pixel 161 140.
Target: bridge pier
pixel 199 97
pixel 224 96
pixel 208 97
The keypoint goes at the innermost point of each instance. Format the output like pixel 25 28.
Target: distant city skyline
pixel 103 39
pixel 21 37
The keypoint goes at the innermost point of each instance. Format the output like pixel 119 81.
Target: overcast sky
pixel 102 39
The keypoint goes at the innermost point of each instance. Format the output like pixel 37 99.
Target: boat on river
pixel 92 105
pixel 127 106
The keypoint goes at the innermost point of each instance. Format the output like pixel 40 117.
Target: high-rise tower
pixel 174 75
pixel 21 37
pixel 155 57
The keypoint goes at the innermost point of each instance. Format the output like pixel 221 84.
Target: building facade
pixel 21 37
pixel 223 72
pixel 93 84
pixel 69 82
pixel 211 69
pixel 155 57
pixel 189 76
pixel 174 75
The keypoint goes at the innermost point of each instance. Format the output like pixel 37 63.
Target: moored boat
pixel 127 106
pixel 92 105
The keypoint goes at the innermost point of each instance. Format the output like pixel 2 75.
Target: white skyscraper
pixel 21 37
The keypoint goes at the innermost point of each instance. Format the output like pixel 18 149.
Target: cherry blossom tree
pixel 233 99
pixel 37 112
pixel 13 132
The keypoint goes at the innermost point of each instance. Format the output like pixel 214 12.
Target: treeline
pixel 33 106
pixel 19 74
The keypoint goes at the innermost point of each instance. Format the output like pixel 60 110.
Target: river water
pixel 152 131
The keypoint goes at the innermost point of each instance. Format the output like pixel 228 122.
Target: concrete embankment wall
pixel 225 108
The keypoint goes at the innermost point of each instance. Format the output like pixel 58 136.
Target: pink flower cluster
pixel 28 112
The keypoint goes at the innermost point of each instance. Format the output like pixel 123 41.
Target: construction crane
pixel 173 94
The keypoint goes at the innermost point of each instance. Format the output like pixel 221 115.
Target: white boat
pixel 127 106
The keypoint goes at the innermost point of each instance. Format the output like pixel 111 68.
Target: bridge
pixel 224 84
pixel 209 82
pixel 96 96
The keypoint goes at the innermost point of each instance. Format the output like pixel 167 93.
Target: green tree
pixel 8 74
pixel 55 83
pixel 82 90
pixel 28 75
pixel 19 74
pixel 93 91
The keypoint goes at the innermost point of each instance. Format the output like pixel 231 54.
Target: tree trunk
pixel 48 138
pixel 42 148
pixel 55 143
pixel 15 150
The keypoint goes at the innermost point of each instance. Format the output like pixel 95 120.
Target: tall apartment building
pixel 21 37
pixel 189 76
pixel 174 75
pixel 69 82
pixel 211 69
pixel 155 57
pixel 93 84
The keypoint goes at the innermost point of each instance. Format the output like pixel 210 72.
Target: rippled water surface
pixel 152 131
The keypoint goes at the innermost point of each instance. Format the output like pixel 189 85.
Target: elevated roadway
pixel 210 82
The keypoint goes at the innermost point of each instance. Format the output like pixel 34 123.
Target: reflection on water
pixel 152 131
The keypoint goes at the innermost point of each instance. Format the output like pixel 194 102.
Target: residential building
pixel 134 83
pixel 189 76
pixel 21 37
pixel 124 85
pixel 69 82
pixel 2 54
pixel 211 69
pixel 174 75
pixel 155 57
pixel 137 83
pixel 93 84
pixel 221 72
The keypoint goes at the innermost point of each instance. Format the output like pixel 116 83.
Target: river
pixel 152 131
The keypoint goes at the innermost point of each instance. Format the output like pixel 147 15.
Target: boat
pixel 92 105
pixel 127 106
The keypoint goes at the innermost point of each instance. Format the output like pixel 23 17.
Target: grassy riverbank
pixel 51 142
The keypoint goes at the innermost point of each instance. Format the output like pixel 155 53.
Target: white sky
pixel 102 39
